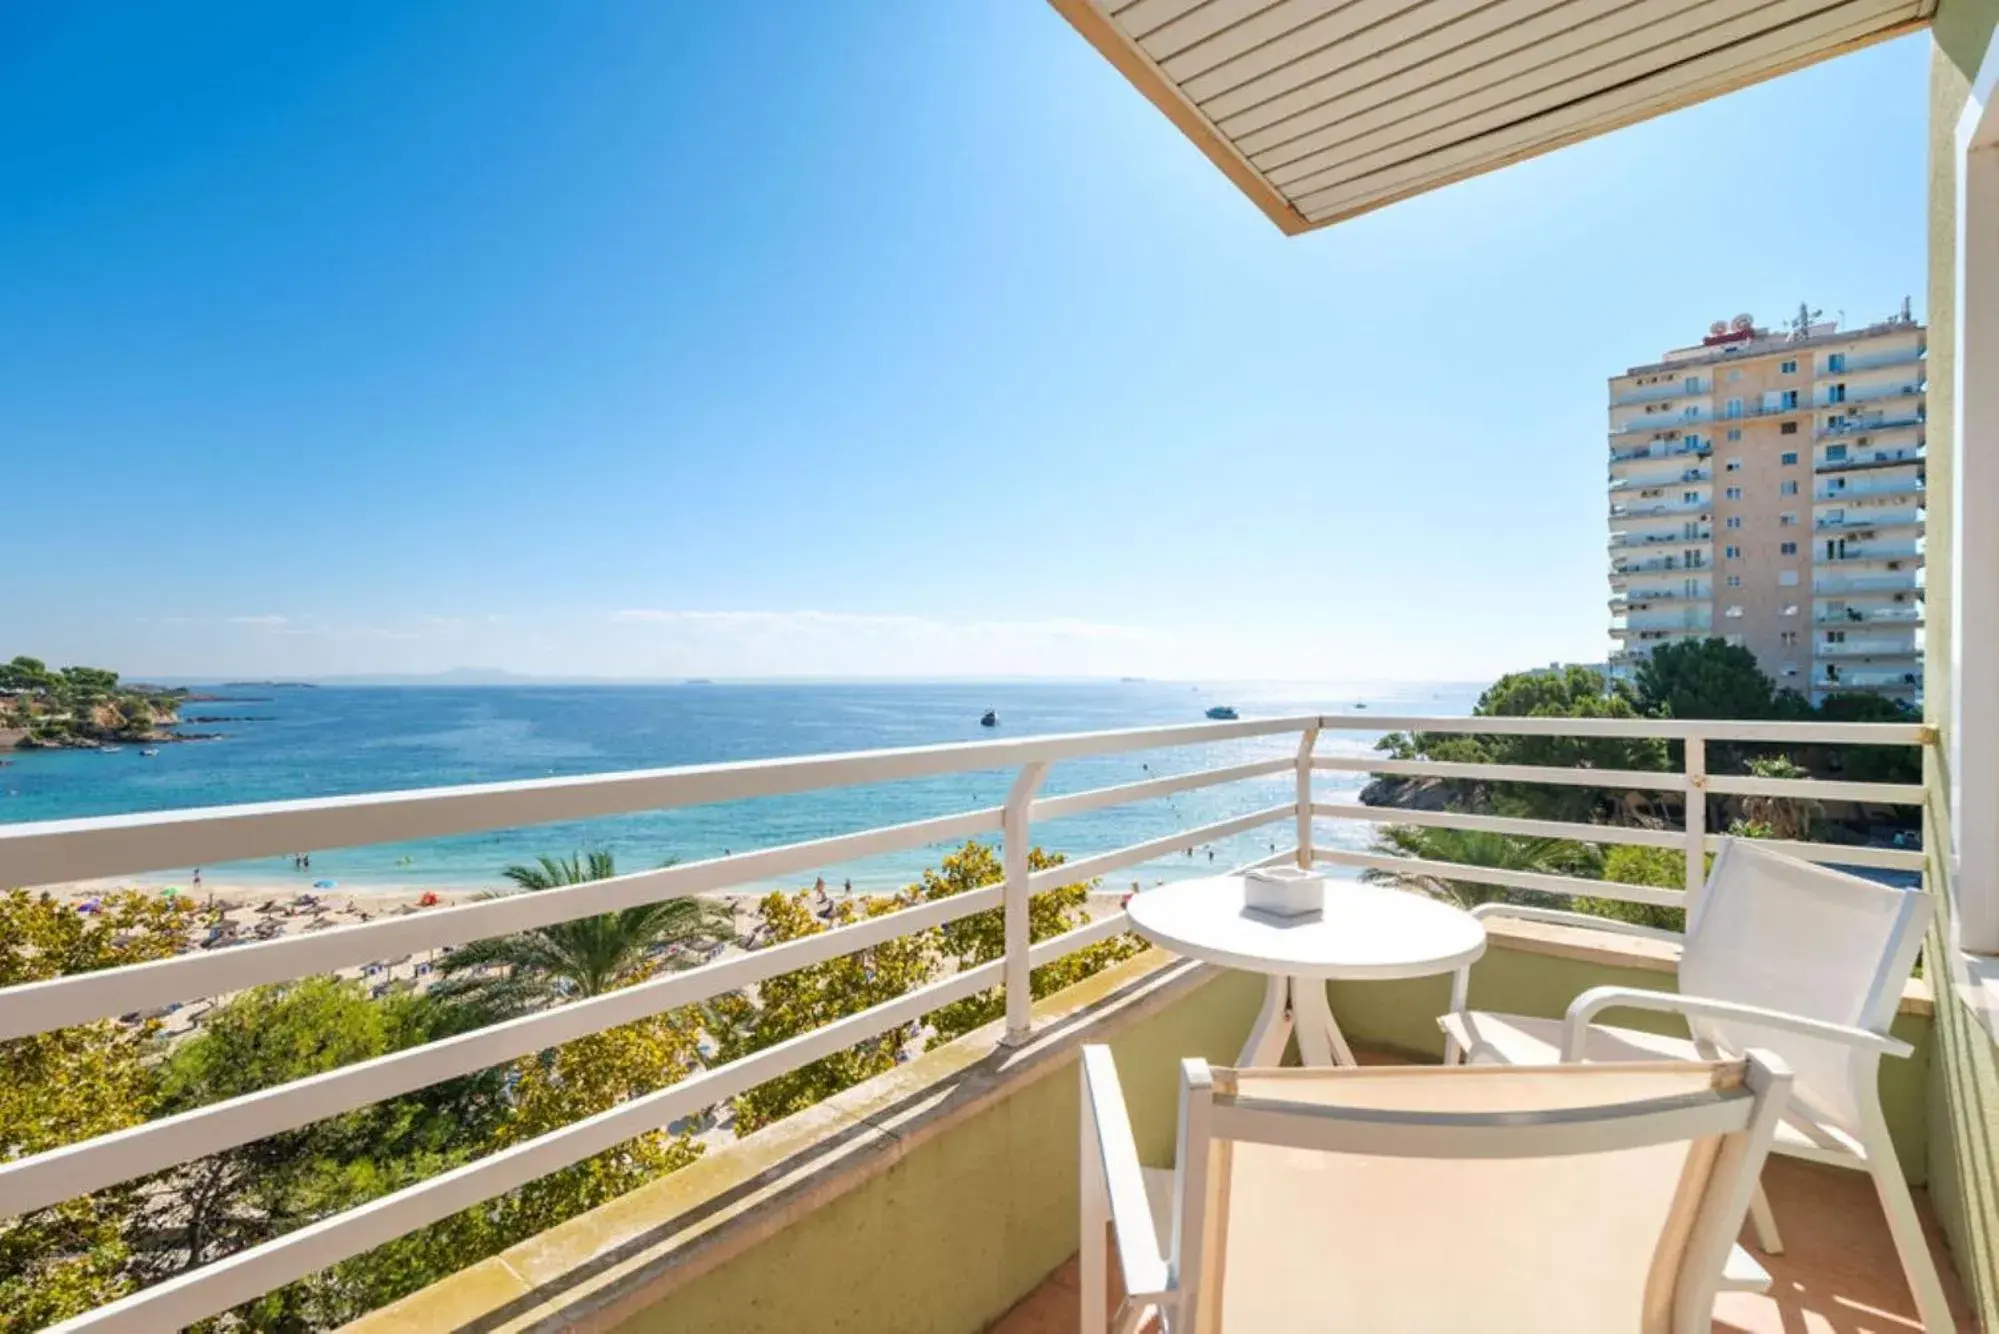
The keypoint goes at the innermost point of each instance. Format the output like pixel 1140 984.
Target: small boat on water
pixel 1221 713
pixel 109 750
pixel 150 751
pixel 989 719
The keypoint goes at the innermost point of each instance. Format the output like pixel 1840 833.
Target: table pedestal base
pixel 1295 1004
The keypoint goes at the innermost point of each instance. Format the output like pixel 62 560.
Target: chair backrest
pixel 1774 931
pixel 1557 1199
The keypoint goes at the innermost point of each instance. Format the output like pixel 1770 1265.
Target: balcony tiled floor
pixel 1838 1273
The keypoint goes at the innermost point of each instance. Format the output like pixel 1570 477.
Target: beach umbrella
pixel 170 891
pixel 325 884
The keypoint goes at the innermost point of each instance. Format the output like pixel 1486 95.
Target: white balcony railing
pixel 1666 449
pixel 1674 505
pixel 1871 616
pixel 62 851
pixel 1832 491
pixel 1665 481
pixel 1886 646
pixel 1834 585
pixel 1852 423
pixel 1701 535
pixel 1652 393
pixel 1856 365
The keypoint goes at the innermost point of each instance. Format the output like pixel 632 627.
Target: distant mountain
pixel 456 676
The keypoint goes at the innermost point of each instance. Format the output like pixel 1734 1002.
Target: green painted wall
pixel 971 1221
pixel 1964 1069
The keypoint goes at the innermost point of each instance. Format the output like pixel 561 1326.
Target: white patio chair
pixel 1780 954
pixel 1416 1199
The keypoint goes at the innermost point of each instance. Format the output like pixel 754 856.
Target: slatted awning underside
pixel 1323 109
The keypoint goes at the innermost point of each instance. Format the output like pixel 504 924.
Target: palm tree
pixel 1471 848
pixel 532 970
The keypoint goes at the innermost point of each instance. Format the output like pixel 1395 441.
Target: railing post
pixel 1696 769
pixel 1306 744
pixel 1015 841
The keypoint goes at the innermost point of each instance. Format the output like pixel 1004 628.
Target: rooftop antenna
pixel 1908 316
pixel 1801 327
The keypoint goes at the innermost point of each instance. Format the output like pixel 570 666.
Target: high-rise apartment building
pixel 1767 489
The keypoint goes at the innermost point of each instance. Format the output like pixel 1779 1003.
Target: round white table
pixel 1365 932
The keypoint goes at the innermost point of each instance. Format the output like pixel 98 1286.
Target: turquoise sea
pixel 322 741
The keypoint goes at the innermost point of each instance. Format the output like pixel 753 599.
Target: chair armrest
pixel 1588 921
pixel 1461 980
pixel 1139 1253
pixel 1597 999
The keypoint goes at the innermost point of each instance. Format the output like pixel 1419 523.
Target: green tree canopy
pixel 1567 692
pixel 25 673
pixel 981 938
pixel 1704 678
pixel 73 1084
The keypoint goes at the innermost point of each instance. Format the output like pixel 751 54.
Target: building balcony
pixel 1660 450
pixel 1664 481
pixel 1881 651
pixel 1756 411
pixel 1625 540
pixel 1862 517
pixel 1640 628
pixel 1883 419
pixel 1884 615
pixel 1900 532
pixel 1860 365
pixel 1683 420
pixel 1897 681
pixel 1648 509
pixel 1867 488
pixel 1639 598
pixel 1890 556
pixel 1832 584
pixel 1864 394
pixel 1872 458
pixel 868 1185
pixel 1653 393
pixel 1624 572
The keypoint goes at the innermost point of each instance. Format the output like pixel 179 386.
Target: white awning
pixel 1323 109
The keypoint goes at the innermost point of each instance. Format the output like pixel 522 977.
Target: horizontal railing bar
pixel 1838 854
pixel 1508 773
pixel 1571 886
pixel 1816 789
pixel 1671 729
pixel 215 1288
pixel 1055 947
pixel 1089 868
pixel 76 1169
pixel 37 1007
pixel 64 850
pixel 1499 824
pixel 1076 803
pixel 53 851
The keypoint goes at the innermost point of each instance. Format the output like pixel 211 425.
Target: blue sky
pixel 850 338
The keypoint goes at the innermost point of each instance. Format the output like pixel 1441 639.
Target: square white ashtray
pixel 1284 891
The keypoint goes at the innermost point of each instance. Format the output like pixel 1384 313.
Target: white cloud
pixel 266 621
